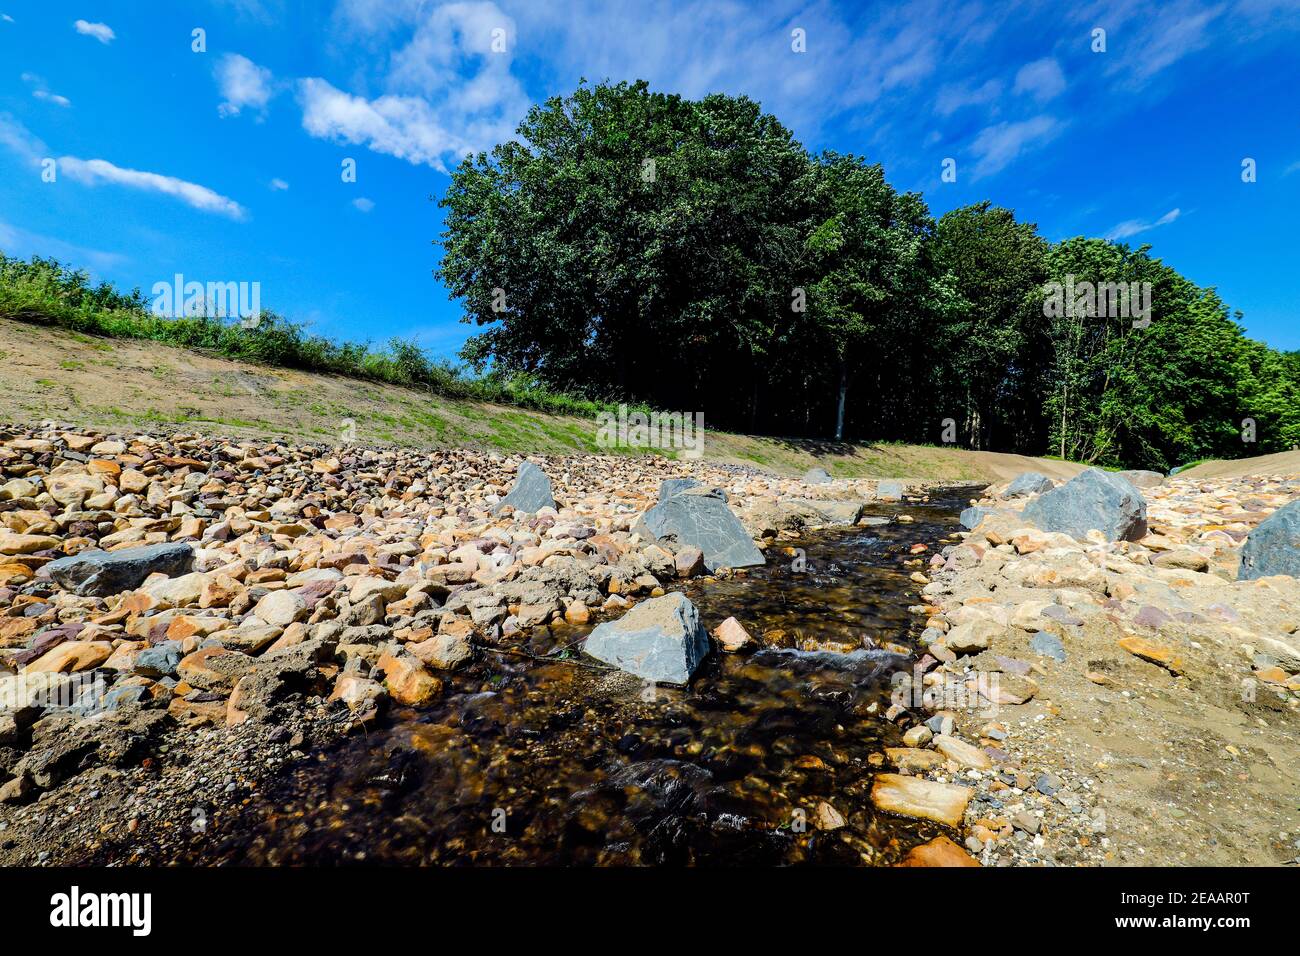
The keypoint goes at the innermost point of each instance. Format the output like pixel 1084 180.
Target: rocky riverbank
pixel 186 620
pixel 183 615
pixel 1116 701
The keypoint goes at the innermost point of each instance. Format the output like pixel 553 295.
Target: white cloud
pixel 93 172
pixel 6 18
pixel 243 84
pixel 450 90
pixel 997 146
pixel 406 127
pixel 278 184
pixel 1131 227
pixel 1293 168
pixel 1042 79
pixel 100 31
pixel 363 204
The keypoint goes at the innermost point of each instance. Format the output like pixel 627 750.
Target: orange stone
pixel 1160 654
pixel 940 851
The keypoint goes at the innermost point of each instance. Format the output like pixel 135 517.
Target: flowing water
pixel 562 761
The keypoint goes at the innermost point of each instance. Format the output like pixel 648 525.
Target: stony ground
pixel 1148 703
pixel 325 582
pixel 1080 703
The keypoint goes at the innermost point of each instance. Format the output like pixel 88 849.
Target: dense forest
pixel 692 255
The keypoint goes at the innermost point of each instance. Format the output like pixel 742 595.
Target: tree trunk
pixel 844 389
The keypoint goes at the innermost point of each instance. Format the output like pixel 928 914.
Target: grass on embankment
pixel 125 385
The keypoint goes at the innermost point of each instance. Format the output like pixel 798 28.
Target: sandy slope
pixel 1279 463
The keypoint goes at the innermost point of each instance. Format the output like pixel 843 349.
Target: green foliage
pixel 680 290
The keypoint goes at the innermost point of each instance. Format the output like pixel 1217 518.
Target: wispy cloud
pixel 20 141
pixel 95 172
pixel 16 241
pixel 364 204
pixel 41 90
pixel 278 184
pixel 1042 79
pixel 100 31
pixel 1131 227
pixel 996 147
pixel 953 97
pixel 243 84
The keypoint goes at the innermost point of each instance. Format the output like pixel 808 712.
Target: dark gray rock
pixel 1093 500
pixel 1143 479
pixel 672 486
pixel 972 516
pixel 1027 483
pixel 1274 546
pixel 660 640
pixel 160 660
pixel 532 490
pixel 817 476
pixel 103 573
pixel 700 518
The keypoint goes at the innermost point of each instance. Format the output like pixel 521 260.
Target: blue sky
pixel 225 165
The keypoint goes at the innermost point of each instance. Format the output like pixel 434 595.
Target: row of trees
pixel 693 255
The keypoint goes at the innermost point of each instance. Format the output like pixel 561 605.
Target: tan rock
pixel 26 543
pixel 71 656
pixel 958 750
pixel 925 799
pixel 731 634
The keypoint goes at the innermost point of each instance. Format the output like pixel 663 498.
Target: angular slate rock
pixel 817 476
pixel 1027 483
pixel 532 490
pixel 103 573
pixel 672 486
pixel 160 660
pixel 1096 500
pixel 972 516
pixel 1274 546
pixel 700 518
pixel 661 640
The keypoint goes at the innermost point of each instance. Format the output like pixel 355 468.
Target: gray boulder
pixel 532 490
pixel 159 660
pixel 1274 546
pixel 890 490
pixel 817 476
pixel 1144 479
pixel 103 573
pixel 661 640
pixel 672 486
pixel 1092 500
pixel 700 518
pixel 971 517
pixel 1027 483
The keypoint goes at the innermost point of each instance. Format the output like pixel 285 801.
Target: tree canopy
pixel 692 255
